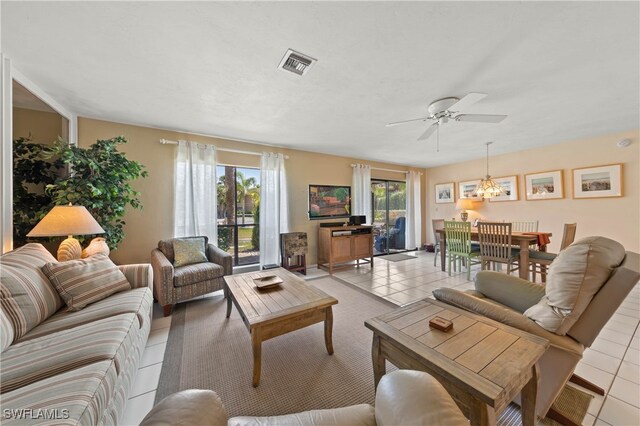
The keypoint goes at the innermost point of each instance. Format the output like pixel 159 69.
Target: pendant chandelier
pixel 489 188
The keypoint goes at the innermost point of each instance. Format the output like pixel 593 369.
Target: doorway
pixel 238 194
pixel 389 205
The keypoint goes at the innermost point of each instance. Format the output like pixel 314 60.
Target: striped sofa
pixel 70 368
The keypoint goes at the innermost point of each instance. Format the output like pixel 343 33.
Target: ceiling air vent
pixel 296 62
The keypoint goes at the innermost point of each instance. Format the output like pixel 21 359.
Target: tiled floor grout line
pixel 615 376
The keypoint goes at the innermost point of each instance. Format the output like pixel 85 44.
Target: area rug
pixel 397 257
pixel 207 351
pixel 572 403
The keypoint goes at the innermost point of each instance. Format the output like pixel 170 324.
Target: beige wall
pixel 144 228
pixel 44 127
pixel 616 218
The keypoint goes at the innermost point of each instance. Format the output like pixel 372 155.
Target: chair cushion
pixel 354 415
pixel 191 274
pixel 84 281
pixel 188 407
pixel 166 246
pixel 27 297
pixel 574 277
pixel 406 397
pixel 188 251
pixel 543 255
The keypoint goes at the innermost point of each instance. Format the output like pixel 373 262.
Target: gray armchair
pixel 599 266
pixel 176 284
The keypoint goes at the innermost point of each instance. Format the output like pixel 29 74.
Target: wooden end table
pixel 482 363
pixel 272 312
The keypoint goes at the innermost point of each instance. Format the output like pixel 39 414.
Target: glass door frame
pixel 235 227
pixel 386 207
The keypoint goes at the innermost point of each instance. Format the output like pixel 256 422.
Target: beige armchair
pixel 404 397
pixel 593 265
pixel 176 284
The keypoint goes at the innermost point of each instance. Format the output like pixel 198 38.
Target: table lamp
pixel 67 220
pixel 464 204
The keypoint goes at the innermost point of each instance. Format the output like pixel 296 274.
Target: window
pixel 238 213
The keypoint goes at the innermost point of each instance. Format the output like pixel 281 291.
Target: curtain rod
pixel 237 151
pixel 386 170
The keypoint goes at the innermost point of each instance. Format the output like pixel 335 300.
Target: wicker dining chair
pixel 458 236
pixel 495 246
pixel 539 261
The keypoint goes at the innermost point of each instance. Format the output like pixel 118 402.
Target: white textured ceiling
pixel 560 70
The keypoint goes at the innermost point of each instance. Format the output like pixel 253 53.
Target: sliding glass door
pixel 389 204
pixel 238 213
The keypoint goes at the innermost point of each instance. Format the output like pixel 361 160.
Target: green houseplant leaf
pixel 99 180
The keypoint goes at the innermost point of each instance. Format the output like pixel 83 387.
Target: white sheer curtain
pixel 413 226
pixel 361 187
pixel 274 207
pixel 195 191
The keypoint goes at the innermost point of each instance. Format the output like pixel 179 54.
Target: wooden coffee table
pixel 272 312
pixel 483 364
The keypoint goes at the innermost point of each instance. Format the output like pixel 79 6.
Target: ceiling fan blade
pixel 480 118
pixel 406 121
pixel 429 131
pixel 468 99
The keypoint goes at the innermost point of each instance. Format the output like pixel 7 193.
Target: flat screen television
pixel 329 201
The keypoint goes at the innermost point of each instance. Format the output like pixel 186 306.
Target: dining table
pixel 523 239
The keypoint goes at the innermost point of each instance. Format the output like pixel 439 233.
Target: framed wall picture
pixel 510 185
pixel 598 181
pixel 445 193
pixel 544 185
pixel 468 190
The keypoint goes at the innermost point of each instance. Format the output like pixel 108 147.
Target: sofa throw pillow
pixel 574 277
pixel 26 296
pixel 81 282
pixel 188 251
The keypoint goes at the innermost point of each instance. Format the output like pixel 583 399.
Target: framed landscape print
pixel 445 193
pixel 510 185
pixel 544 185
pixel 468 190
pixel 598 181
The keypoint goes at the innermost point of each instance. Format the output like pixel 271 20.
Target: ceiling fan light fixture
pixel 488 187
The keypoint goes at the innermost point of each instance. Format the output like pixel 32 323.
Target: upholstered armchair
pixel 403 397
pixel 173 284
pixel 586 284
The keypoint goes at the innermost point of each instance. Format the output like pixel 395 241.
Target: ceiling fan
pixel 443 110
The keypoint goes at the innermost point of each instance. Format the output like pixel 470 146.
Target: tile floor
pixel 613 361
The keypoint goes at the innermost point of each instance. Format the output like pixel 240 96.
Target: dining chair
pixel 530 226
pixel 539 261
pixel 437 224
pixel 458 236
pixel 495 246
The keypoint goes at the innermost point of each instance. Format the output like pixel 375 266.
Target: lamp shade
pixel 464 204
pixel 66 220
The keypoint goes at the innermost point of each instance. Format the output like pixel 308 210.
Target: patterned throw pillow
pixel 188 251
pixel 26 296
pixel 81 282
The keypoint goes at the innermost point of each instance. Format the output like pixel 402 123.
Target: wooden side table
pixel 482 363
pixel 294 245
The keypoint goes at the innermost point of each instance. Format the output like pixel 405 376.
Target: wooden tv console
pixel 340 246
